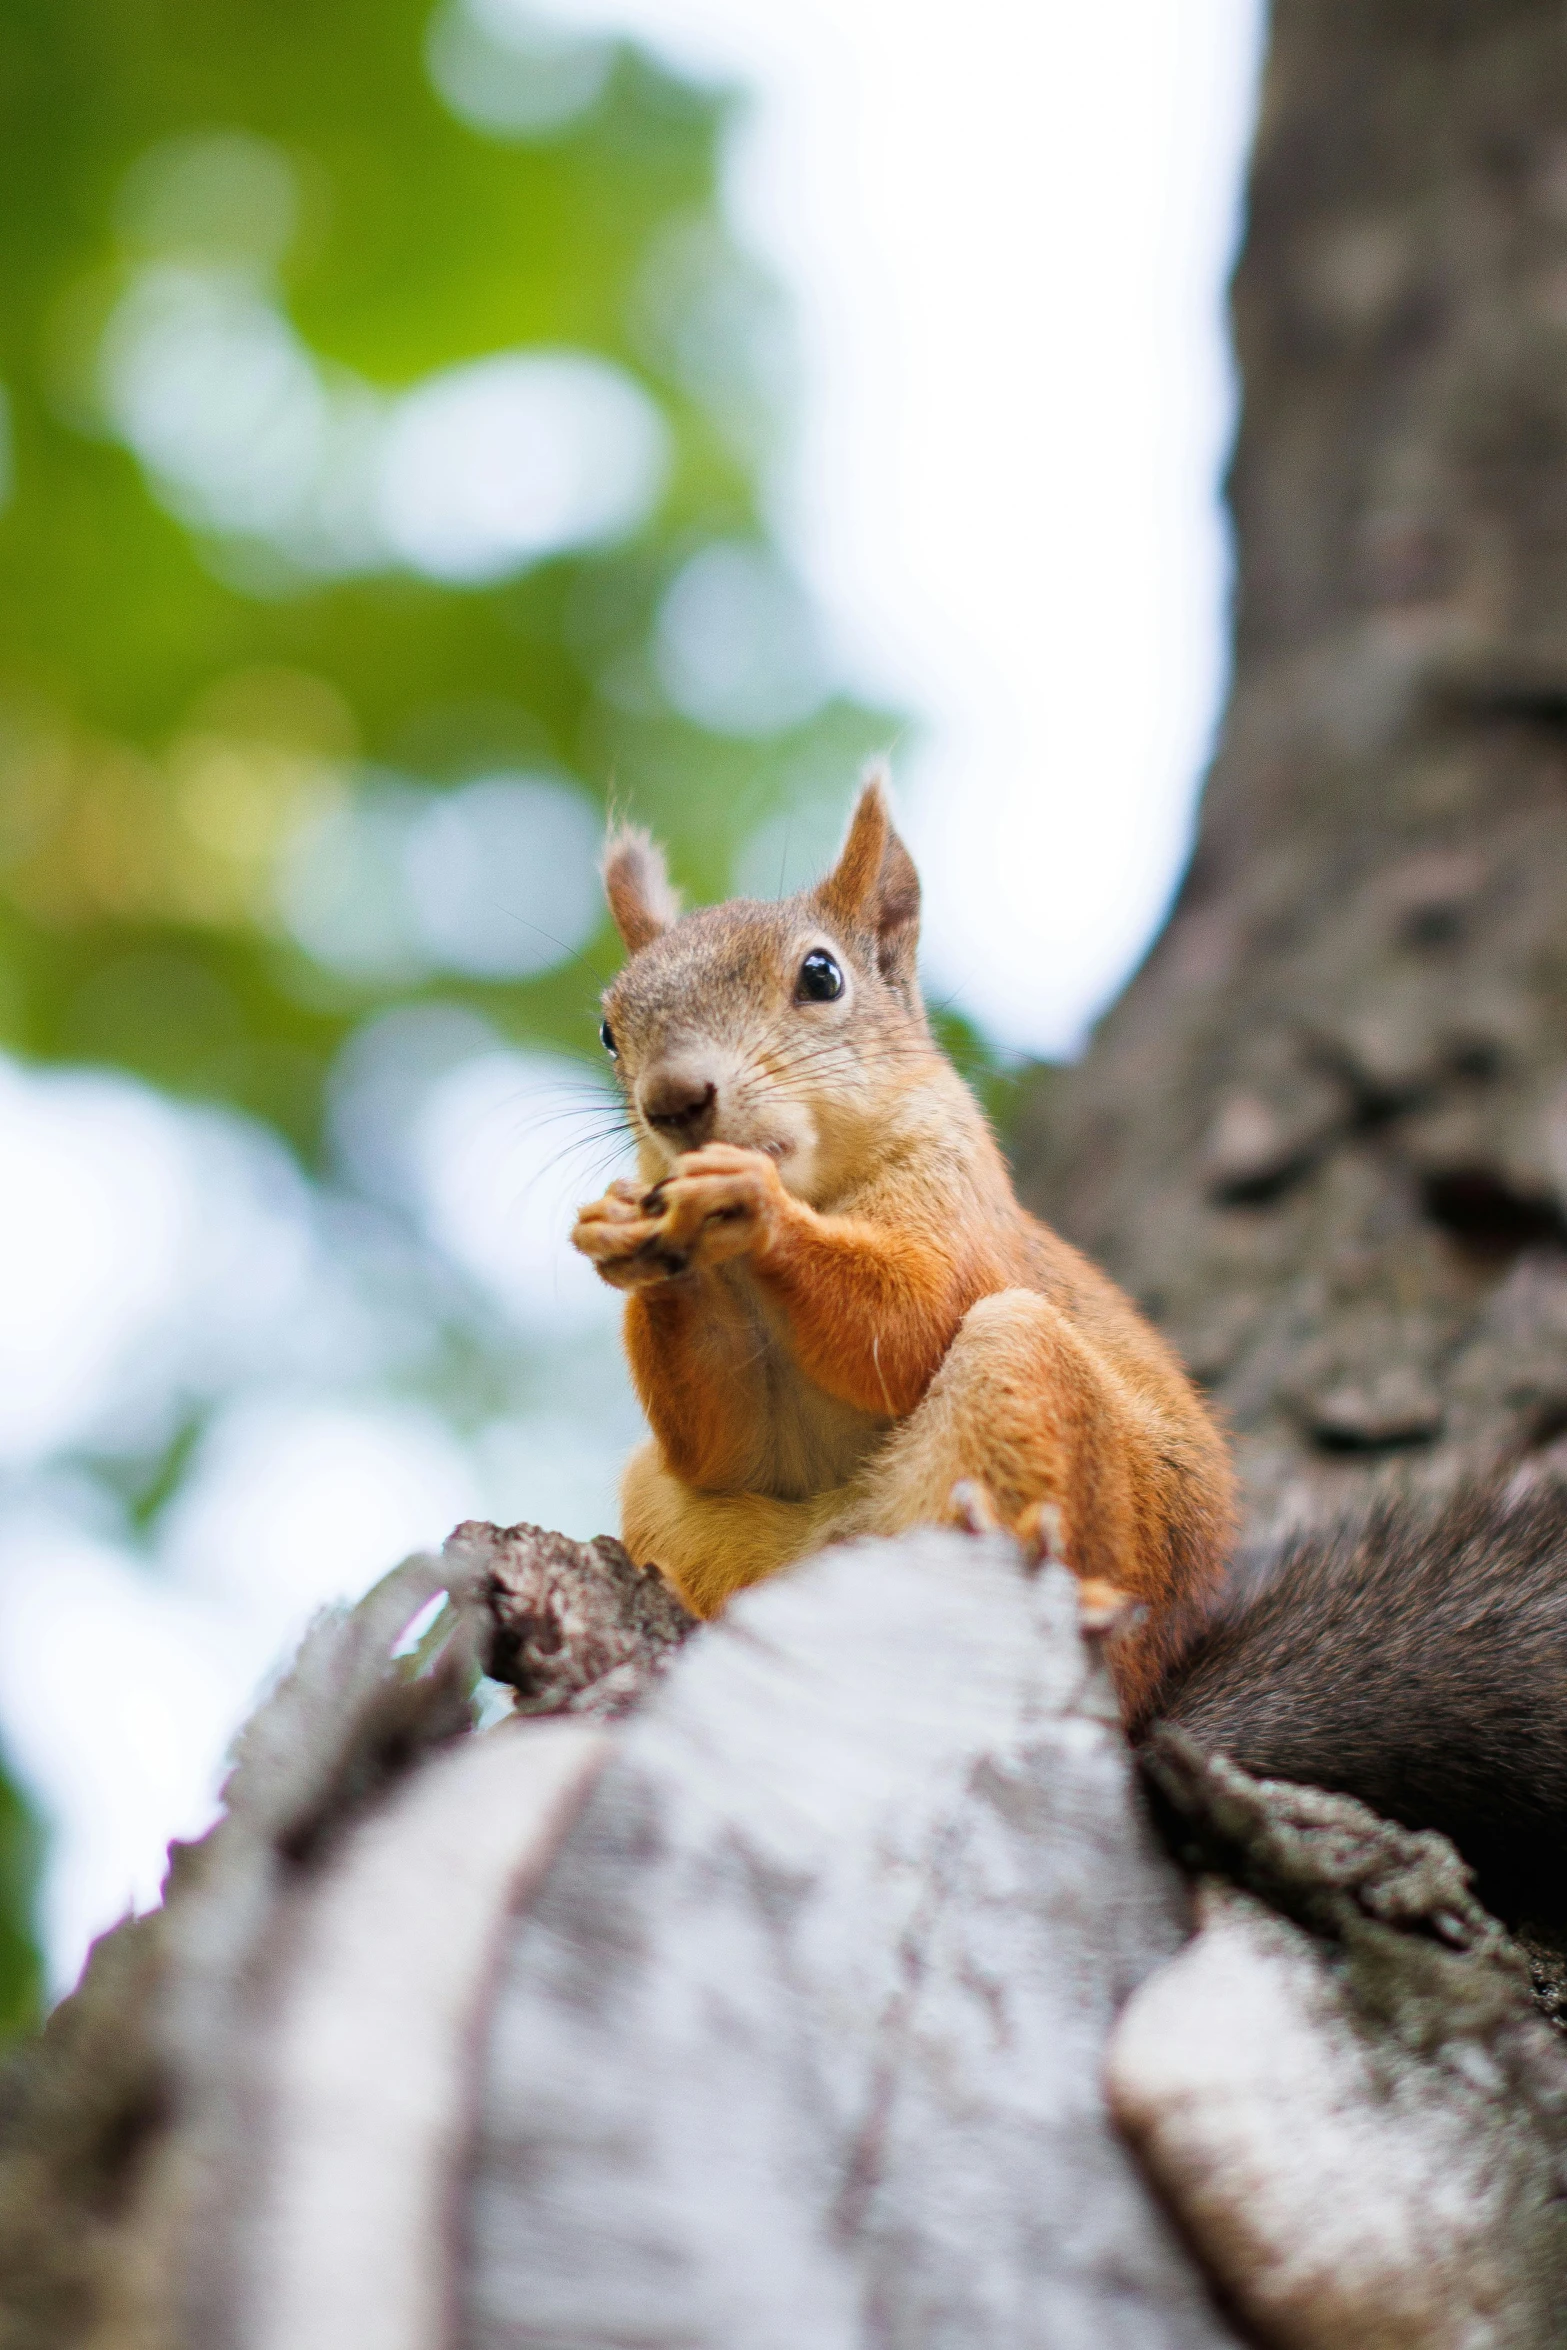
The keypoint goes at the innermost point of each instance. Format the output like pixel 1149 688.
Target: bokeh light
pixel 738 646
pixel 504 69
pixel 492 466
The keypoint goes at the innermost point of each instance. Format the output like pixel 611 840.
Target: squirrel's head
pixel 795 1028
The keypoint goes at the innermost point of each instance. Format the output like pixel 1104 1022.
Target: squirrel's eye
pixel 607 1040
pixel 820 978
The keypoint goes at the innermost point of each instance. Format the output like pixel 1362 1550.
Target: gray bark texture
pixel 1323 1135
pixel 281 2057
pixel 824 1980
pixel 803 2040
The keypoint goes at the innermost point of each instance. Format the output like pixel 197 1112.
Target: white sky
pixel 1005 235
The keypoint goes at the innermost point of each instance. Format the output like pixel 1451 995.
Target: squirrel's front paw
pixel 620 1239
pixel 720 1202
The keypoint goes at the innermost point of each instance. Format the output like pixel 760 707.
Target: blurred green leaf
pixel 138 922
pixel 21 1982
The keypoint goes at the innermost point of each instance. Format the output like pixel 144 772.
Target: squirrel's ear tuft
pixel 636 883
pixel 873 887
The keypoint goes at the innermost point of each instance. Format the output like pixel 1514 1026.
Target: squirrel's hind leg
pixel 710 1545
pixel 1024 1408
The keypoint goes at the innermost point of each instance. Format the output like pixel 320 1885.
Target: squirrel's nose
pixel 680 1105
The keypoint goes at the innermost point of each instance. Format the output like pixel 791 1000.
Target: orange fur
pixel 837 1311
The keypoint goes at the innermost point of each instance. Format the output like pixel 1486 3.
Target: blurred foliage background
pixel 387 418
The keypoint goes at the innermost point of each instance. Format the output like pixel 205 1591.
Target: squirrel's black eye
pixel 820 978
pixel 607 1040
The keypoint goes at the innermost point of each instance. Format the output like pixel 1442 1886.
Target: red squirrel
pixel 838 1315
pixel 840 1321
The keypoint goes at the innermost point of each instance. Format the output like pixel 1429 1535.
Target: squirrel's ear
pixel 636 883
pixel 874 887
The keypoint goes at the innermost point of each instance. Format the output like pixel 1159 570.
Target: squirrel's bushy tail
pixel 1415 1656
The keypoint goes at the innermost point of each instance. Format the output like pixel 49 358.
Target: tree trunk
pixel 772 1997
pixel 1324 1133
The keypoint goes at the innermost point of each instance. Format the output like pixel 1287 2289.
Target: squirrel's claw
pixel 1101 1605
pixel 1042 1534
pixel 970 1508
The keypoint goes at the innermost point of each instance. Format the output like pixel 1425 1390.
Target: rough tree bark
pixel 786 1986
pixel 1324 1133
